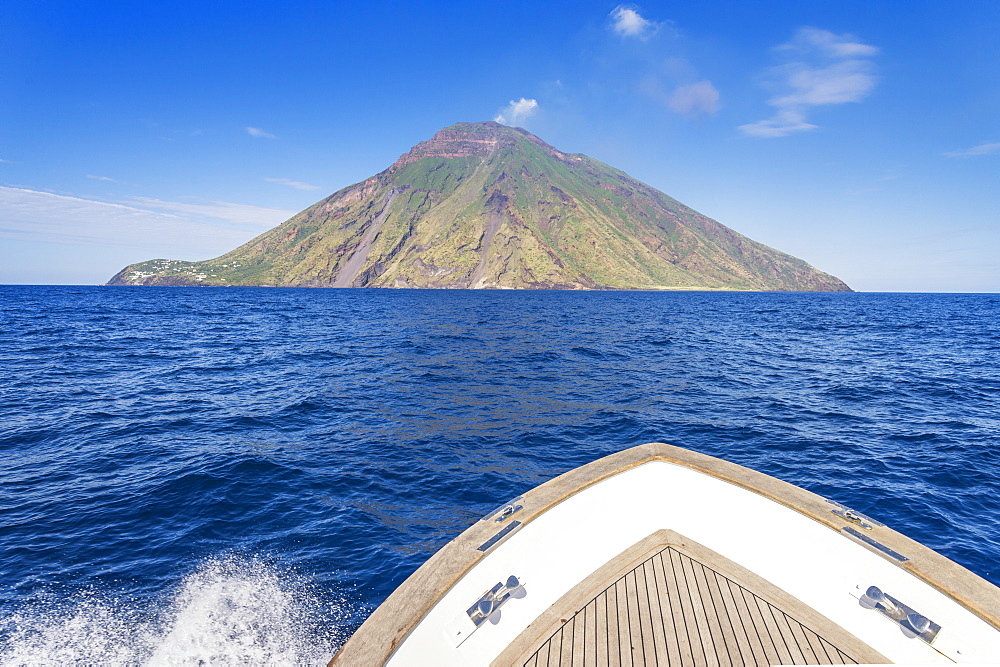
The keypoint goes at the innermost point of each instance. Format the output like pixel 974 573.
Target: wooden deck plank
pixel 589 643
pixel 663 575
pixel 801 635
pixel 743 655
pixel 693 650
pixel 611 625
pixel 789 645
pixel 568 641
pixel 578 649
pixel 711 632
pixel 833 655
pixel 770 635
pixel 540 658
pixel 762 627
pixel 551 654
pixel 544 653
pixel 817 647
pixel 637 625
pixel 623 625
pixel 601 629
pixel 748 640
pixel 675 603
pixel 646 646
pixel 718 622
pixel 837 655
pixel 655 615
pixel 632 616
pixel 699 605
pixel 827 652
pixel 676 597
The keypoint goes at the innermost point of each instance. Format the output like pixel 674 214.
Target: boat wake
pixel 229 611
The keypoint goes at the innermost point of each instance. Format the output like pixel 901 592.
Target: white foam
pixel 86 630
pixel 230 611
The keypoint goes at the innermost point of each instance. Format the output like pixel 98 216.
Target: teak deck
pixel 669 601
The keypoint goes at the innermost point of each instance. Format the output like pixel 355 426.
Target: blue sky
pixel 863 137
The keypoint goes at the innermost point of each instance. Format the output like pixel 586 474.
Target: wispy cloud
pixel 517 111
pixel 823 69
pixel 627 22
pixel 257 132
pixel 991 148
pixel 695 99
pixel 102 178
pixel 809 40
pixel 784 122
pixel 194 229
pixel 293 184
pixel 245 216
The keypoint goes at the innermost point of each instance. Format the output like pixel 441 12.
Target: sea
pixel 241 475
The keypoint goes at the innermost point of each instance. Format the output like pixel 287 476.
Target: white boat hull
pixel 798 545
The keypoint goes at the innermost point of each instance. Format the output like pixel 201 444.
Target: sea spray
pixel 87 628
pixel 229 611
pixel 236 612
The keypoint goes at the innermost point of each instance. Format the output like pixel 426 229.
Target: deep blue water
pixel 190 473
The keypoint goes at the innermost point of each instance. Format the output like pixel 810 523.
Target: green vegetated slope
pixel 481 205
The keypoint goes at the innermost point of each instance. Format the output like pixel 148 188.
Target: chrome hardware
pixel 481 611
pixel 499 515
pixel 488 606
pixel 920 624
pixel 910 622
pixel 853 517
pixel 502 533
pixel 507 512
pixel 876 595
pixel 875 544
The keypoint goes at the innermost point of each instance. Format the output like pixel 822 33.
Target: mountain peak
pixel 472 139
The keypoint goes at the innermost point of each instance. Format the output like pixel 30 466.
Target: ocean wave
pixel 229 611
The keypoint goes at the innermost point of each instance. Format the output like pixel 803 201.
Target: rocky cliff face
pixel 481 205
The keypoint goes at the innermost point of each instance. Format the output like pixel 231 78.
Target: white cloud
pixel 516 112
pixel 257 132
pixel 102 178
pixel 991 148
pixel 826 69
pixel 835 46
pixel 695 99
pixel 783 123
pixel 628 23
pixel 185 230
pixel 293 184
pixel 839 83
